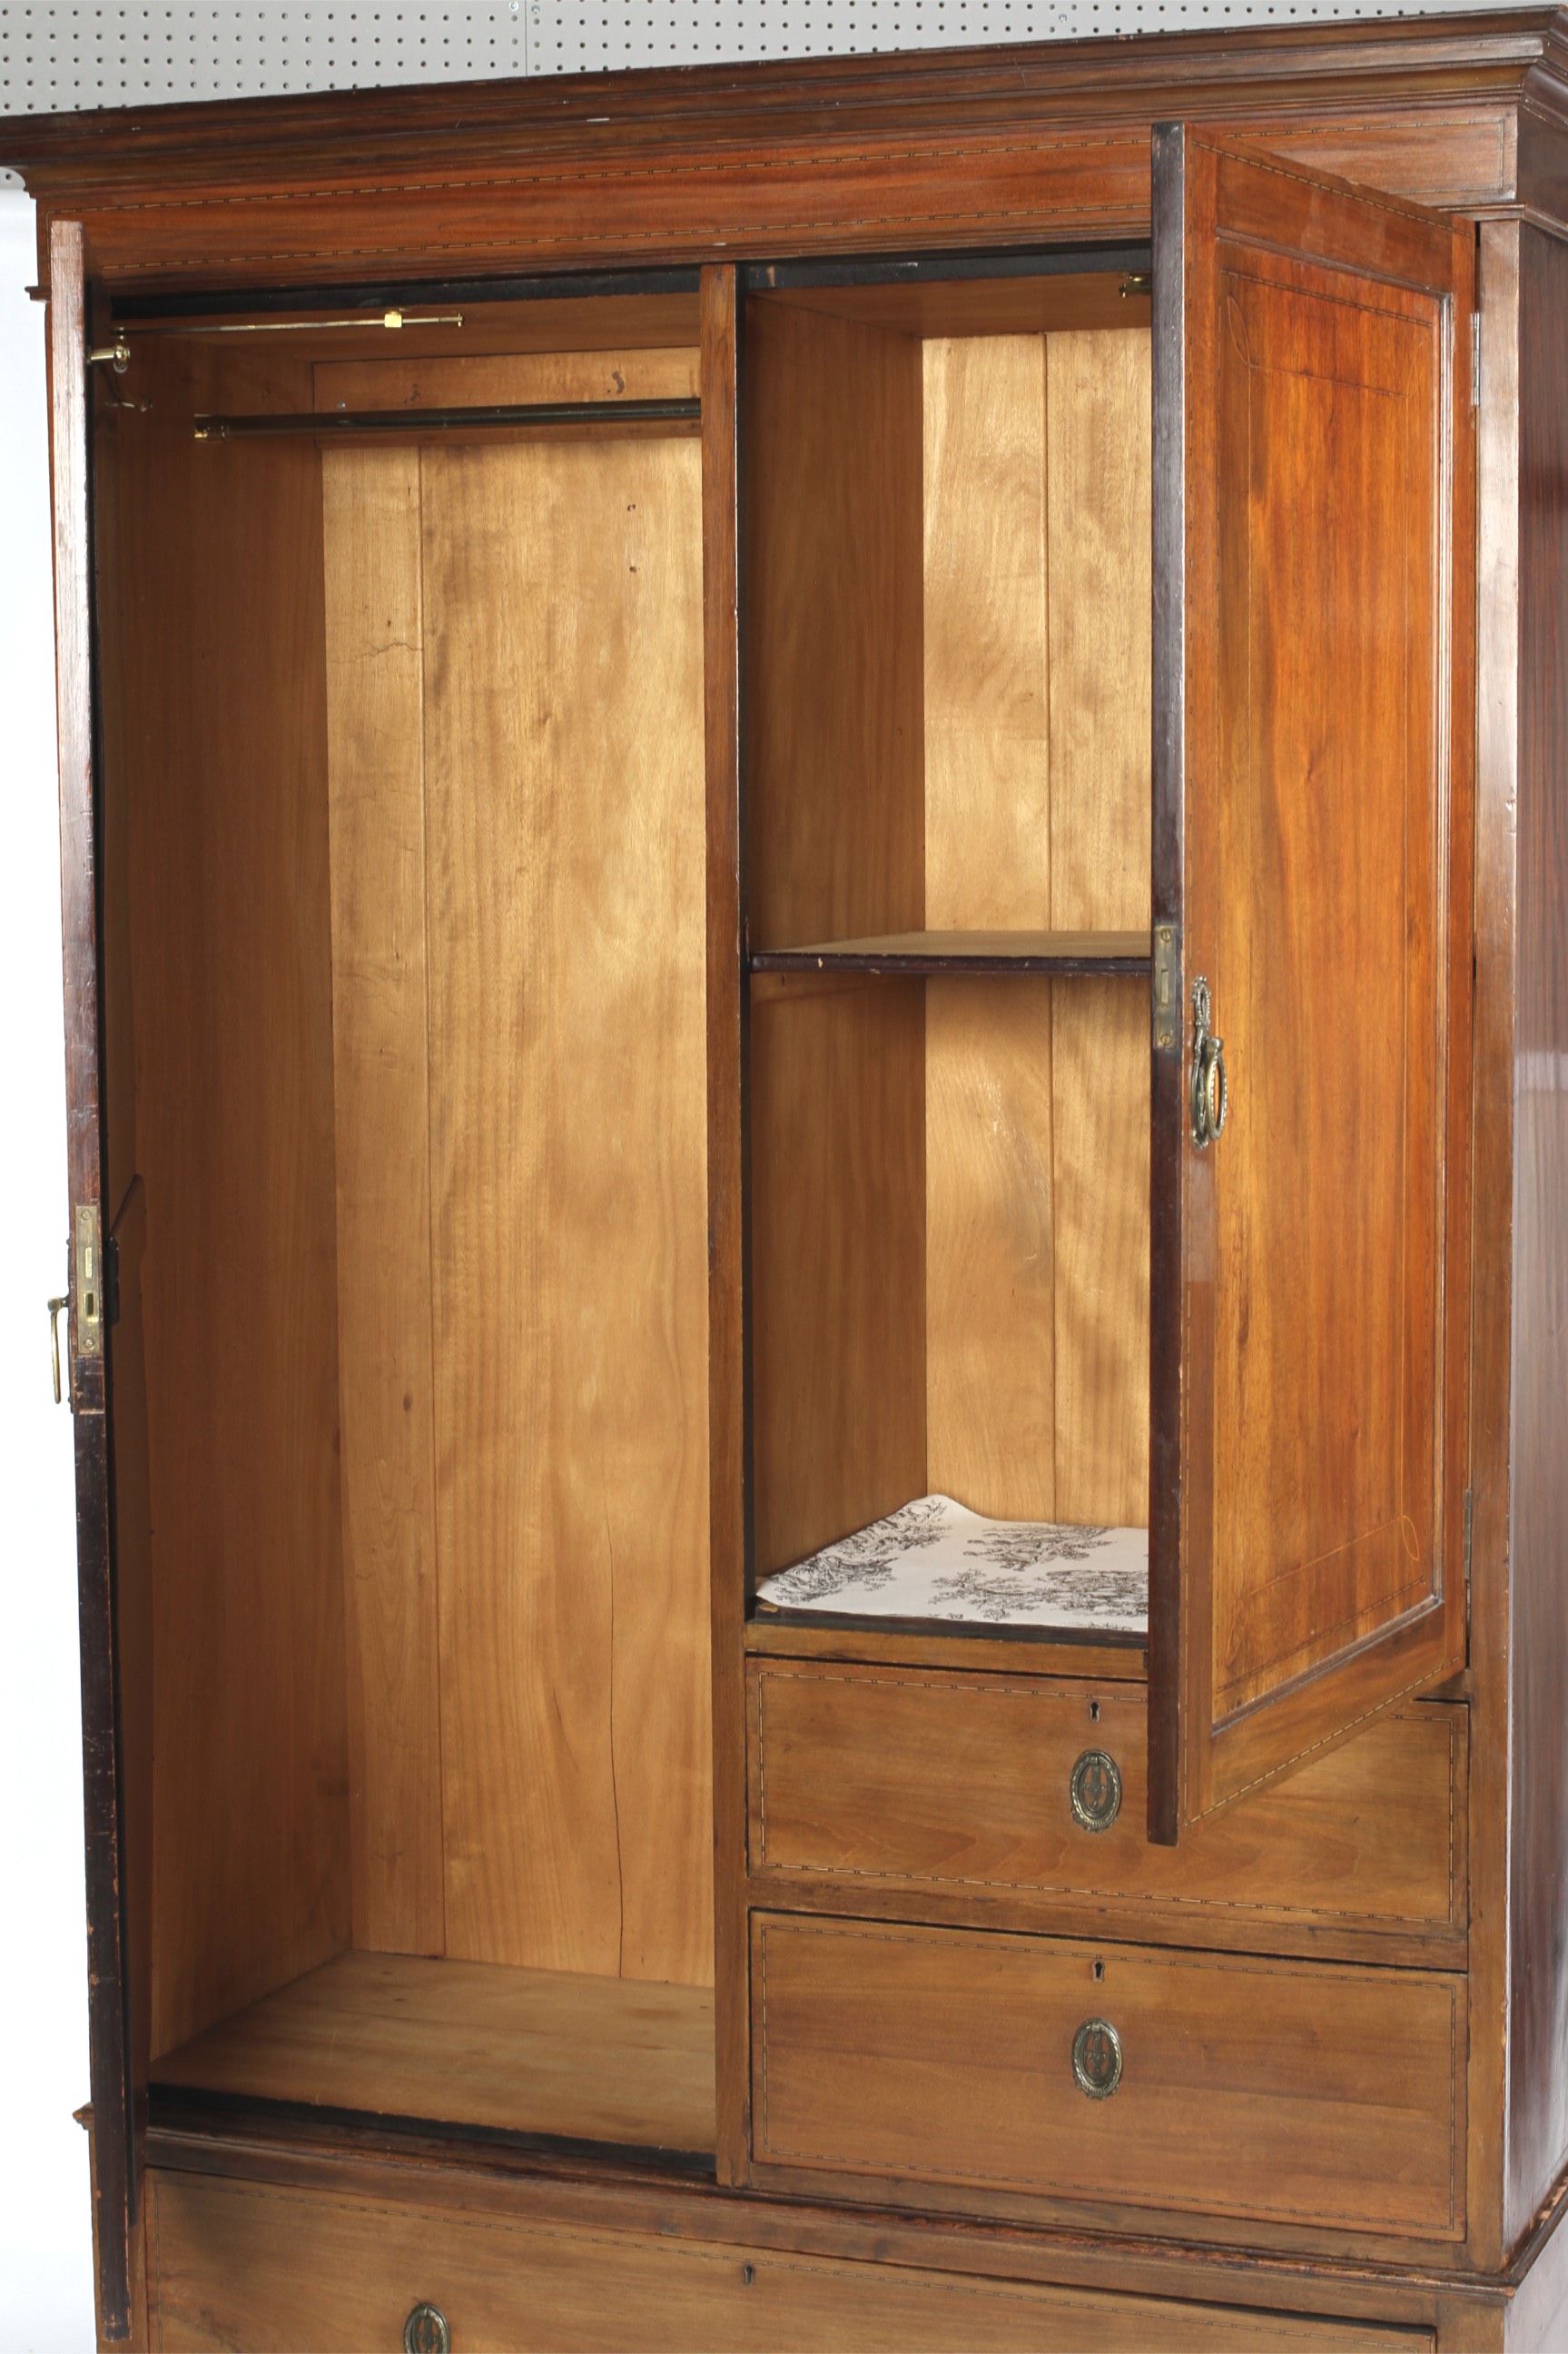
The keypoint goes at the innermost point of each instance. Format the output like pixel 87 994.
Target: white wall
pixel 45 2282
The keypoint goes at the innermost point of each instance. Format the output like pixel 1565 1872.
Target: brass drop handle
pixel 1094 1790
pixel 426 2331
pixel 1211 1090
pixel 1097 2059
pixel 57 1309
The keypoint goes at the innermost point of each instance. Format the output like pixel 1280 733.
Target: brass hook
pixel 55 1308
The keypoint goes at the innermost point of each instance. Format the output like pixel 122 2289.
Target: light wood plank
pixel 377 807
pixel 834 627
pixel 505 376
pixel 565 882
pixel 1099 1144
pixel 1100 485
pixel 988 775
pixel 541 2051
pixel 1098 466
pixel 838 1248
pixel 991 1249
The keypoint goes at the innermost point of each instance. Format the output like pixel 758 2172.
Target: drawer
pixel 1301 2092
pixel 248 2266
pixel 898 1779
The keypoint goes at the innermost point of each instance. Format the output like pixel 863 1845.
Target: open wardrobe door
pixel 105 1348
pixel 1312 997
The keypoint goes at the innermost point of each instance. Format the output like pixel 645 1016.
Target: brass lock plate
pixel 1094 1790
pixel 88 1273
pixel 1097 2059
pixel 426 2331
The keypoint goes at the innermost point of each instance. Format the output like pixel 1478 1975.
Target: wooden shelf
pixel 551 2054
pixel 1061 953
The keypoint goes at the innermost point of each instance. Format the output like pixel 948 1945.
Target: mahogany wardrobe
pixel 815 842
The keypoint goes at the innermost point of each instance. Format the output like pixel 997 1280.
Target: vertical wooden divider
pixel 728 1365
pixel 381 1089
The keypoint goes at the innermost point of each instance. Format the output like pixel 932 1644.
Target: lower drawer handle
pixel 426 2331
pixel 1097 2059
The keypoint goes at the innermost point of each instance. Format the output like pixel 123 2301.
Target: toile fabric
pixel 935 1559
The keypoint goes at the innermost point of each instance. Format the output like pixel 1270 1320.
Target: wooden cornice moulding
pixel 682 164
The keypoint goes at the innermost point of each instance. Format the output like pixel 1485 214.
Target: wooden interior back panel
pixel 554 2052
pixel 222 751
pixel 259 2266
pixel 987 677
pixel 838 1228
pixel 906 1785
pixel 453 382
pixel 833 660
pixel 565 916
pixel 1037 798
pixel 1300 2092
pixel 377 797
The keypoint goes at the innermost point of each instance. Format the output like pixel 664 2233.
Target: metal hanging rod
pixel 383 319
pixel 450 421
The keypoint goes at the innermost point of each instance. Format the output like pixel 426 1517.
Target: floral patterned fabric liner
pixel 935 1559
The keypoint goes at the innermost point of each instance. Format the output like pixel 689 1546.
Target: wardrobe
pixel 815 859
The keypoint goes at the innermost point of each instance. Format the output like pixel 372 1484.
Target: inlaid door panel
pixel 1309 828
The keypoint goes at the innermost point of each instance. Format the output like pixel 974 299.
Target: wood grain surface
pixel 833 426
pixel 1288 2090
pixel 222 753
pixel 552 2053
pixel 905 1785
pixel 874 155
pixel 1538 1385
pixel 256 2266
pixel 565 899
pixel 375 785
pixel 1317 1567
pixel 1037 506
pixel 110 1810
pixel 450 381
pixel 838 1227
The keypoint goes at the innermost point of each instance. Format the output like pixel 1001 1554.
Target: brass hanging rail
pixel 450 421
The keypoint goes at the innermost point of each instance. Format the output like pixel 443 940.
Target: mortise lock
pixel 87 1279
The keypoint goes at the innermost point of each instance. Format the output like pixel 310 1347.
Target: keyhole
pixel 1094 1712
pixel 1099 1972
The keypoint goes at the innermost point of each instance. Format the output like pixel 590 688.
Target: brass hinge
pixel 1166 988
pixel 88 1272
pixel 1474 359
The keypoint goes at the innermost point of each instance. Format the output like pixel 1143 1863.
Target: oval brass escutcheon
pixel 426 2331
pixel 1097 2059
pixel 1095 1790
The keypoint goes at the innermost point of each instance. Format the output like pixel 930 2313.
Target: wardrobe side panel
pixel 1539 1500
pixel 222 756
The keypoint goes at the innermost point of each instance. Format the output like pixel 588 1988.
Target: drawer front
pixel 924 1782
pixel 1303 2092
pixel 247 2265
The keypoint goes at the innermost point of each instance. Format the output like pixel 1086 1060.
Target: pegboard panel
pixel 64 56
